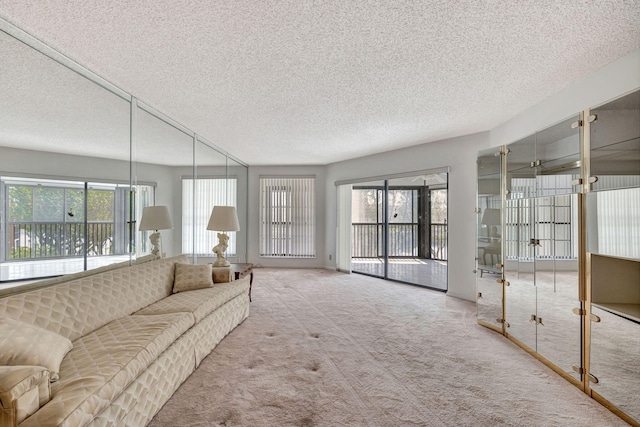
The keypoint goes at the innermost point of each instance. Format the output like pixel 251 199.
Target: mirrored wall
pixel 558 260
pixel 79 161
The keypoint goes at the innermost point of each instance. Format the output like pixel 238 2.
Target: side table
pixel 240 271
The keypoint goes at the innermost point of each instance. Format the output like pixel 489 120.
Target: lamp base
pixel 154 238
pixel 221 263
pixel 220 249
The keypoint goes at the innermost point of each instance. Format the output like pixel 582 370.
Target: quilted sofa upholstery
pixel 134 343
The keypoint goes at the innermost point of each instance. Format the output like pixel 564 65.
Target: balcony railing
pixel 367 240
pixel 439 242
pixel 32 240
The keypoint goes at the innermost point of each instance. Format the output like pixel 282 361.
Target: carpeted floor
pixel 322 348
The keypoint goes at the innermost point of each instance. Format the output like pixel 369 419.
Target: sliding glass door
pixel 399 229
pixel 367 225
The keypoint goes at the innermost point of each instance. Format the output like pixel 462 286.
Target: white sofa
pixel 125 341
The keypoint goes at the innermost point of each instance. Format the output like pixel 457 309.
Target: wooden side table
pixel 240 271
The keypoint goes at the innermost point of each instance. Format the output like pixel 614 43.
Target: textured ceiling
pixel 315 82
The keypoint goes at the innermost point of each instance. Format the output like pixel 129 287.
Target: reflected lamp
pixel 155 218
pixel 223 218
pixel 491 218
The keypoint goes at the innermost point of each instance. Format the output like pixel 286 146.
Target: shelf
pixel 629 311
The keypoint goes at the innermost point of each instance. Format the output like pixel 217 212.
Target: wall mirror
pixel 159 149
pixel 79 161
pixel 615 143
pixel 210 185
pixel 541 244
pixel 64 168
pixel 240 172
pixel 489 234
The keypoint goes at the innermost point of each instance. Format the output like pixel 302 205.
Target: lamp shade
pixel 155 218
pixel 224 218
pixel 491 217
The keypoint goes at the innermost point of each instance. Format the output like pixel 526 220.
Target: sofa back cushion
pixel 76 308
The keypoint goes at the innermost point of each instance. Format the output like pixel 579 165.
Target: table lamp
pixel 155 218
pixel 223 218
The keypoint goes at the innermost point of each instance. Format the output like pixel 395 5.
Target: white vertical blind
pixel 287 217
pixel 619 222
pixel 198 199
pixel 343 249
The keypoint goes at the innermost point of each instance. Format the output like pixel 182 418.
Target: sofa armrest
pixel 23 390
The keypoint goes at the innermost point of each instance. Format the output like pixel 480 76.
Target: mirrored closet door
pixel 541 244
pixel 613 249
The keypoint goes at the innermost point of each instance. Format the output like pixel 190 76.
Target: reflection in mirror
pixel 615 344
pixel 489 235
pixel 519 214
pixel 613 219
pixel 558 158
pixel 65 158
pixel 212 186
pixel 541 245
pixel 557 281
pixel 613 233
pixel 241 174
pixel 615 143
pixel 161 153
pixel 521 175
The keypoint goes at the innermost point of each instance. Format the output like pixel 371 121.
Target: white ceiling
pixel 315 82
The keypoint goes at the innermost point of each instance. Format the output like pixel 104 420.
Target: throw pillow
pixel 189 277
pixel 25 344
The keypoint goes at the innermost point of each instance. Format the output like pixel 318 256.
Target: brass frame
pixel 584 262
pixel 584 276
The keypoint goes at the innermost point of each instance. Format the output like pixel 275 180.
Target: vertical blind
pixel 198 199
pixel 343 249
pixel 618 215
pixel 287 217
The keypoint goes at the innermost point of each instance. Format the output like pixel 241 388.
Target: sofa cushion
pixel 200 302
pixel 103 363
pixel 189 277
pixel 25 344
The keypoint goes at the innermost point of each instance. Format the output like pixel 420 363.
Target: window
pixel 198 199
pixel 287 217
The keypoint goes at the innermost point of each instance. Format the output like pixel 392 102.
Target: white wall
pixel 459 154
pixel 254 215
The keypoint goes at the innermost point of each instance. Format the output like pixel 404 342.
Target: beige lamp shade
pixel 155 218
pixel 224 218
pixel 491 217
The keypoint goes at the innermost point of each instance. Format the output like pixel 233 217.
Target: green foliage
pixel 57 215
pixel 21 253
pixel 20 203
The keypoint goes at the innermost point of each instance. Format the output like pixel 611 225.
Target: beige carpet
pixel 322 348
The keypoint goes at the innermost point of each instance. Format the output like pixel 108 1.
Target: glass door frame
pixel 383 219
